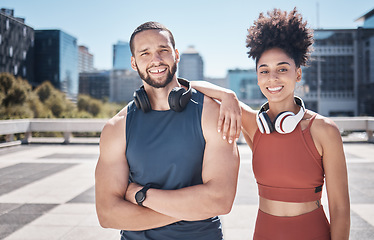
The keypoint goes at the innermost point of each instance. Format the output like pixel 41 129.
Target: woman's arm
pixel 328 137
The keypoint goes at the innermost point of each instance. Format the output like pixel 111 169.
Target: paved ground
pixel 47 192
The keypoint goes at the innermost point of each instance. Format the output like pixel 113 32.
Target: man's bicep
pixel 221 159
pixel 111 177
pixel 112 170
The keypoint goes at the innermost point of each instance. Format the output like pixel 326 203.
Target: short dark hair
pixel 283 30
pixel 150 26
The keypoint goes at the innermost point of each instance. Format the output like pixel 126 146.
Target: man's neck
pixel 158 97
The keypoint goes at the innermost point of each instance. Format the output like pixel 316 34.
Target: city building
pixel 16 46
pixel 340 78
pixel 56 60
pixel 191 65
pixel 85 60
pixel 244 84
pixel 121 56
pixel 95 84
pixel 366 64
pixel 222 82
pixel 123 83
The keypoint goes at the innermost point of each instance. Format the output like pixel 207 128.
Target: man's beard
pixel 169 77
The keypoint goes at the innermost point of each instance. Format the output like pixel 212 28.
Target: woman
pixel 294 149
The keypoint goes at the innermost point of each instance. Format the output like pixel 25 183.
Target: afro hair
pixel 283 30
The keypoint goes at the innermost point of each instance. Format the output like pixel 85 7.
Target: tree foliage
pixel 19 100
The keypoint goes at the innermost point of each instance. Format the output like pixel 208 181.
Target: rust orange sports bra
pixel 288 167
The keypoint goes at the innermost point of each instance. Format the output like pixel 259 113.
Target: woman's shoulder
pixel 322 126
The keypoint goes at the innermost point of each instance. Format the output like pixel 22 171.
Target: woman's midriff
pixel 287 209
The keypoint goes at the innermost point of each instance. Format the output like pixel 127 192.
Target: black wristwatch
pixel 140 195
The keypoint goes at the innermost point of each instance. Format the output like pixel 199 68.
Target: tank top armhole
pixel 198 98
pixel 312 120
pixel 256 139
pixel 131 107
pixel 309 141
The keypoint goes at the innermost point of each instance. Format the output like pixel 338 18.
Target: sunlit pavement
pixel 47 192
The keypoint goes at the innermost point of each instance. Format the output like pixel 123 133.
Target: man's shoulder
pixel 210 113
pixel 117 121
pixel 210 104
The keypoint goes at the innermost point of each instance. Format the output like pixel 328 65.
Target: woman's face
pixel 277 75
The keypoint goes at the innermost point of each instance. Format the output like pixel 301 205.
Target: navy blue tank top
pixel 166 148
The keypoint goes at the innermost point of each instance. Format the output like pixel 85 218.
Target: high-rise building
pixel 123 83
pixel 244 84
pixel 366 65
pixel 56 60
pixel 85 60
pixel 191 65
pixel 16 46
pixel 95 84
pixel 340 78
pixel 222 82
pixel 121 56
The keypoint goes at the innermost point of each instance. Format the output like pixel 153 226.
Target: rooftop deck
pixel 47 192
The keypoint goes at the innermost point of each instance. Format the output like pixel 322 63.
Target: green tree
pixel 19 100
pixel 90 105
pixel 15 96
pixel 44 91
pixel 7 80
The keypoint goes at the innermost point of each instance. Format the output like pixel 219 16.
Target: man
pixel 162 173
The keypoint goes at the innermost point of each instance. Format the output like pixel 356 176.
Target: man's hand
pixel 132 189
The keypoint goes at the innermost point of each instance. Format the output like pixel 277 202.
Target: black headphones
pixel 285 122
pixel 178 97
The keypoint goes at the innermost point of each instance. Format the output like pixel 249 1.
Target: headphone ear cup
pixel 264 123
pixel 285 123
pixel 141 100
pixel 175 97
pixel 259 124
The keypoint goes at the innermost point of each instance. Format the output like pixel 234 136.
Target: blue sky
pixel 216 28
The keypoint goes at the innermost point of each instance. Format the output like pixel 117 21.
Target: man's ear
pixel 177 59
pixel 133 64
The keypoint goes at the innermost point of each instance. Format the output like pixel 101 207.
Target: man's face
pixel 154 58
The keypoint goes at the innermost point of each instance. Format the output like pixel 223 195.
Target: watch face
pixel 139 197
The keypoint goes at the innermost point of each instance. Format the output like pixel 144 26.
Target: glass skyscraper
pixel 121 56
pixel 56 60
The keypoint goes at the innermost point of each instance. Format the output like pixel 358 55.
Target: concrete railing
pixel 68 126
pixel 64 125
pixel 364 124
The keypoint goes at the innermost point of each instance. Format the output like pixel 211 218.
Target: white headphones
pixel 284 123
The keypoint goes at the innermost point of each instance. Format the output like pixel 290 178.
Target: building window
pixel 7 24
pixel 0 39
pixel 24 54
pixel 24 72
pixel 10 51
pixel 24 31
pixel 15 70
